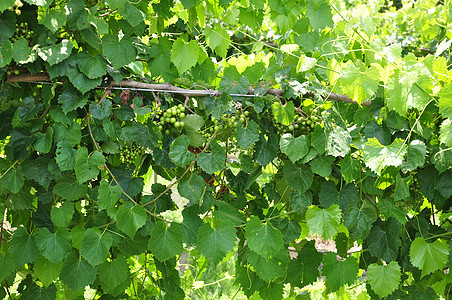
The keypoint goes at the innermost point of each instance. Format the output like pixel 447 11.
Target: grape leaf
pixel 322 165
pixel 47 271
pixel 263 239
pixel 53 246
pixel 87 166
pixel 65 155
pixel 192 187
pixel 383 239
pixel 132 14
pixel 377 157
pixel 294 148
pixel 95 246
pixel 337 142
pixel 5 53
pixel 329 195
pixel 384 279
pixel 166 240
pixel 445 101
pixel 445 132
pixel 218 39
pixel 298 177
pixel 247 134
pixel 119 51
pixel 92 66
pixel 268 268
pixel 190 226
pixel 319 15
pixel 284 114
pixel 77 272
pixel 113 273
pixel 13 179
pixel 324 222
pixel 43 142
pixel 68 188
pixel 415 156
pixel 359 218
pixel 62 216
pixel 130 218
pixel 358 82
pixel 56 53
pixel 350 168
pixel 185 55
pixel 23 247
pixel 304 270
pixel 21 51
pixel 108 195
pixel 429 257
pixel 339 272
pixel 179 153
pixel 214 161
pixel 215 243
pixel 70 100
pixel 53 18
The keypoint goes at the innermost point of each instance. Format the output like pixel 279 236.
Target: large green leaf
pixel 304 270
pixel 53 246
pixel 95 246
pixel 322 165
pixel 65 156
pixel 87 165
pixel 377 157
pixel 108 195
pixel 214 161
pixel 119 51
pixel 192 187
pixel 358 82
pixel 179 153
pixel 70 100
pixel 5 53
pixel 429 257
pixel 23 247
pixel 405 90
pixel 247 134
pixel 166 240
pixel 218 39
pixel 113 273
pixel 47 271
pixel 132 14
pixel 62 216
pixel 266 149
pixel 53 18
pixel 185 55
pixel 298 177
pixel 319 15
pixel 337 142
pixel 13 180
pixel 22 52
pixel 130 218
pixel 77 272
pixel 445 133
pixel 284 114
pixel 56 53
pixel 415 156
pixel 339 272
pixel 268 268
pixel 384 279
pixel 190 226
pixel 359 218
pixel 69 188
pixel 215 243
pixel 263 238
pixel 92 66
pixel 324 222
pixel 329 195
pixel 294 148
pixel 383 239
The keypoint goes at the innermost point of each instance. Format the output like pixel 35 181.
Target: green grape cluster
pixel 225 122
pixel 172 120
pixel 130 153
pixel 304 123
pixel 22 30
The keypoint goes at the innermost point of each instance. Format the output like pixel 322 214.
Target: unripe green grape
pixel 173 120
pixel 291 127
pixel 177 124
pixel 181 115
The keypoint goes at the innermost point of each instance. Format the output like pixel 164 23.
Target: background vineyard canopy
pixel 98 97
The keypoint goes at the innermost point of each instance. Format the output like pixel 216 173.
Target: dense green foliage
pixel 135 192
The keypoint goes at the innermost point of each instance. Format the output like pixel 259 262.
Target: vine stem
pixel 183 174
pixel 12 166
